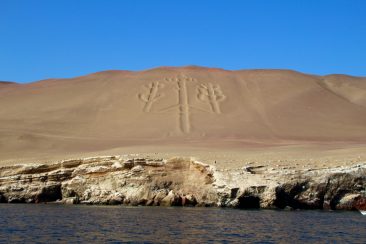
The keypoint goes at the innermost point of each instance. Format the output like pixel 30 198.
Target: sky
pixel 42 39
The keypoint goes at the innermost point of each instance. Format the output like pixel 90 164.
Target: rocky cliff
pixel 182 182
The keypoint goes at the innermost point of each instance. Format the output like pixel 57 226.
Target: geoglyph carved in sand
pixel 212 94
pixel 207 93
pixel 151 95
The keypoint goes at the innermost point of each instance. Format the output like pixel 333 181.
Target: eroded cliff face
pixel 110 180
pixel 182 182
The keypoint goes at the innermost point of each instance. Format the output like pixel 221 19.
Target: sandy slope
pixel 188 110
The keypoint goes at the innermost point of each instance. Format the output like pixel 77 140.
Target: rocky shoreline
pixel 114 180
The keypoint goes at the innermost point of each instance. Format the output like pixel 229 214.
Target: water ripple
pixel 105 224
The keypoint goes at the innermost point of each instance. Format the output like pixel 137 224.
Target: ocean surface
pixel 50 223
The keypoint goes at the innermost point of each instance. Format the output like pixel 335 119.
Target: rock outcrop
pixel 110 180
pixel 182 182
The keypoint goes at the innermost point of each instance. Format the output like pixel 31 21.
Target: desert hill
pixel 3 83
pixel 185 106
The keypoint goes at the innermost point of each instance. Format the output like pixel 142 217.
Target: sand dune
pixel 179 107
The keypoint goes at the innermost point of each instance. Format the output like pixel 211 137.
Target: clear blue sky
pixel 42 39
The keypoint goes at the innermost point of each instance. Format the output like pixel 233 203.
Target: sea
pixel 53 223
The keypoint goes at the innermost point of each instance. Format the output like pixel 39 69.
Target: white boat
pixel 363 212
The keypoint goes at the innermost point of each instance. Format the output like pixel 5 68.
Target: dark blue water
pixel 100 224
